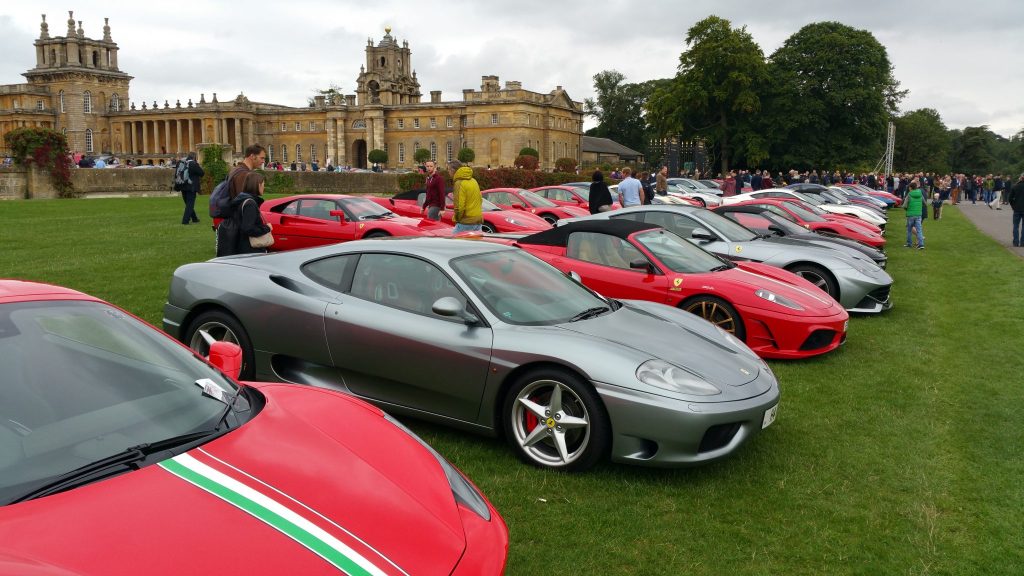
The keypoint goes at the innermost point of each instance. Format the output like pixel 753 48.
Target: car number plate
pixel 769 416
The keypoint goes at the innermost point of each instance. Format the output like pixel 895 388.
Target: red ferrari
pixel 318 219
pixel 882 194
pixel 776 313
pixel 799 213
pixel 123 452
pixel 495 219
pixel 566 195
pixel 519 199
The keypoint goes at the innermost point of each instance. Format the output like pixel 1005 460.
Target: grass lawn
pixel 901 453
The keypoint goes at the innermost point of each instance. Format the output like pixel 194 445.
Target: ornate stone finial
pixel 178 103
pixel 143 105
pixel 80 32
pixel 387 30
pixel 133 105
pixel 155 105
pixel 189 102
pixel 166 104
pixel 362 69
pixel 44 29
pixel 71 23
pixel 106 29
pixel 202 98
pixel 214 101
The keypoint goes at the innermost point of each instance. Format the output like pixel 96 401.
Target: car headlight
pixel 661 374
pixel 780 300
pixel 512 221
pixel 462 489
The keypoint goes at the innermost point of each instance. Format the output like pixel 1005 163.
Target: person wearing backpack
pixel 187 177
pixel 244 222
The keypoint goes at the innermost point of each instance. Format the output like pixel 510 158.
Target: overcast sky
pixel 963 58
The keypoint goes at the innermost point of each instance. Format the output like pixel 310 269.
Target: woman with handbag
pixel 246 232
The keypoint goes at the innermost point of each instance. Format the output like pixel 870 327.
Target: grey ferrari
pixel 486 338
pixel 854 280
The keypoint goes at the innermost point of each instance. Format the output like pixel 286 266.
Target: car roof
pixel 559 235
pixel 25 291
pixel 433 248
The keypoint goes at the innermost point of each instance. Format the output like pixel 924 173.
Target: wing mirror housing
pixel 702 234
pixel 339 214
pixel 227 357
pixel 641 264
pixel 776 229
pixel 451 308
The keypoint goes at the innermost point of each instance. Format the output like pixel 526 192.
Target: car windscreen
pixel 363 209
pixel 536 199
pixel 582 190
pixel 803 213
pixel 83 381
pixel 783 220
pixel 732 231
pixel 521 289
pixel 677 254
pixel 835 198
pixel 809 198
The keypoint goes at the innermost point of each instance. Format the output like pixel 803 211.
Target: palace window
pixel 448 151
pixel 87 102
pixel 359 124
pixel 60 97
pixel 115 103
pixel 465 121
pixel 415 147
pixel 494 119
pixel 298 152
pixel 312 152
pixel 312 126
pixel 448 122
pixel 39 104
pixel 433 122
pixel 401 153
pixel 433 151
pixel 284 152
pixel 415 122
pixel 298 126
pixel 270 154
pixel 401 123
pixel 88 140
pixel 284 127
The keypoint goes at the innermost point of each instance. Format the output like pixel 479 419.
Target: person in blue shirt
pixel 630 190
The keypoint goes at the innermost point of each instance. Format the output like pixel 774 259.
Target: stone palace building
pixel 76 87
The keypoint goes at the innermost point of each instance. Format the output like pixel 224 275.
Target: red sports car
pixel 876 193
pixel 318 219
pixel 519 199
pixel 122 452
pixel 495 219
pixel 778 314
pixel 800 213
pixel 567 195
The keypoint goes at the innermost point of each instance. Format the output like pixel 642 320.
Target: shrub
pixel 530 152
pixel 47 150
pixel 466 155
pixel 278 182
pixel 215 168
pixel 526 162
pixel 421 155
pixel 377 156
pixel 412 181
pixel 565 165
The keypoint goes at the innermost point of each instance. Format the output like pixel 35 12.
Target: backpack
pixel 182 179
pixel 227 237
pixel 220 200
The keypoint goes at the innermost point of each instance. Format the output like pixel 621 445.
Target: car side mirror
pixel 451 308
pixel 518 206
pixel 574 275
pixel 702 235
pixel 775 229
pixel 340 214
pixel 227 357
pixel 641 264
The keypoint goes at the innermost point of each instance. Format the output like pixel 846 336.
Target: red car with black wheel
pixel 802 214
pixel 519 199
pixel 569 195
pixel 495 218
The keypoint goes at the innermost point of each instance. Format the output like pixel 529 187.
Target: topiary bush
pixel 565 165
pixel 530 152
pixel 526 162
pixel 47 150
pixel 421 155
pixel 377 156
pixel 466 155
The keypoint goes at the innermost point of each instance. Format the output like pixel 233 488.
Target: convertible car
pixel 122 452
pixel 854 281
pixel 519 199
pixel 808 217
pixel 486 338
pixel 777 314
pixel 318 219
pixel 495 219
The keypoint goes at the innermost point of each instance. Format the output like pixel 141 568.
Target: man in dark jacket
pixel 1017 203
pixel 600 195
pixel 195 174
pixel 434 200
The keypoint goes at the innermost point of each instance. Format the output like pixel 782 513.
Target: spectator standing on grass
pixel 433 200
pixel 1016 199
pixel 195 174
pixel 915 206
pixel 600 196
pixel 630 191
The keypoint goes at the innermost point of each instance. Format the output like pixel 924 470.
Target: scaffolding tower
pixel 886 160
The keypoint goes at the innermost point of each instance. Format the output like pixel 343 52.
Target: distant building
pixel 76 87
pixel 601 150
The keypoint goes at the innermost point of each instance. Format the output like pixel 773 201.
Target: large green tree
pixel 716 94
pixel 923 144
pixel 833 92
pixel 978 150
pixel 619 109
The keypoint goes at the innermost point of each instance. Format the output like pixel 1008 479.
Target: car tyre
pixel 554 420
pixel 550 218
pixel 818 276
pixel 376 234
pixel 487 229
pixel 221 325
pixel 701 201
pixel 718 312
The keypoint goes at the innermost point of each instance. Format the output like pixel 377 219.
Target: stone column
pixel 224 131
pixel 177 143
pixel 191 137
pixel 239 147
pixel 202 130
pixel 342 147
pixel 145 138
pixel 167 135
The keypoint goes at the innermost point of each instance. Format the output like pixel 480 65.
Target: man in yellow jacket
pixel 468 201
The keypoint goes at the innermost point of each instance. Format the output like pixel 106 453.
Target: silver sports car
pixel 855 281
pixel 487 338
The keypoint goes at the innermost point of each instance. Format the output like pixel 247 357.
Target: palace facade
pixel 77 88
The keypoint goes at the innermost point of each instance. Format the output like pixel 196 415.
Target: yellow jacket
pixel 468 201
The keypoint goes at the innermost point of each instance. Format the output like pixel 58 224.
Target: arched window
pixel 312 152
pixel 115 103
pixel 95 59
pixel 60 96
pixel 88 140
pixel 382 61
pixel 359 124
pixel 284 152
pixel 433 151
pixel 298 152
pixel 87 102
pixel 448 151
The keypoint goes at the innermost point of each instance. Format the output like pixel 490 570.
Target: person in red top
pixel 433 203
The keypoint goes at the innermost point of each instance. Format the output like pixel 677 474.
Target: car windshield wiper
pixel 375 216
pixel 590 313
pixel 722 267
pixel 127 459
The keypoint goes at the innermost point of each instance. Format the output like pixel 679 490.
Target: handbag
pixel 263 241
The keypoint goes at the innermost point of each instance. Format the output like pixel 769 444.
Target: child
pixel 936 206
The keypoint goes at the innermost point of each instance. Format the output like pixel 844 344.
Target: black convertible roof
pixel 559 235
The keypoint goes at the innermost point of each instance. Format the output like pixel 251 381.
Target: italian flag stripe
pixel 272 513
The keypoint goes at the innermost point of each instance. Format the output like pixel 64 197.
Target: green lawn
pixel 901 453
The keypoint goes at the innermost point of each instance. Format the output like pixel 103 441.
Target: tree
pixel 466 155
pixel 332 94
pixel 526 162
pixel 377 156
pixel 565 165
pixel 529 152
pixel 619 109
pixel 832 94
pixel 923 144
pixel 421 155
pixel 716 94
pixel 974 150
